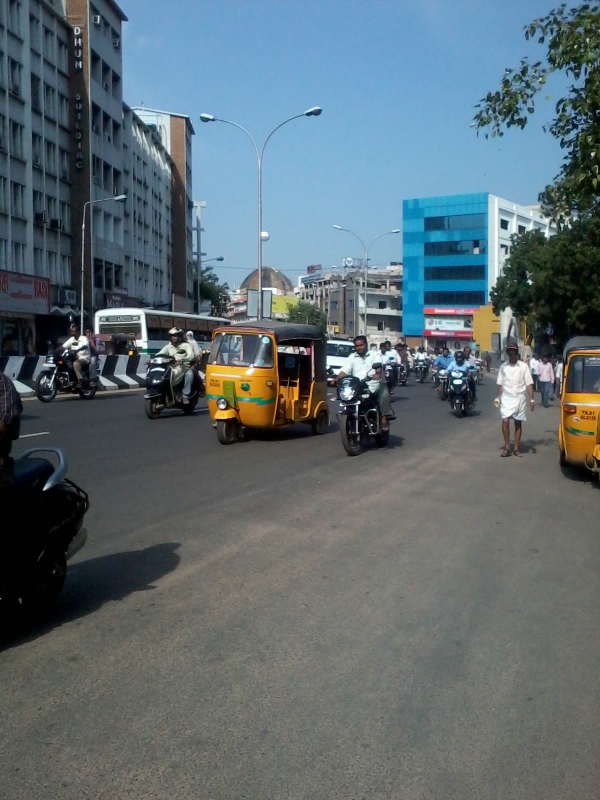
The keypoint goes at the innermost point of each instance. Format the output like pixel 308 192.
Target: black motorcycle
pixel 58 375
pixel 49 533
pixel 390 374
pixel 160 392
pixel 459 393
pixel 359 416
pixel 442 381
pixel 402 374
pixel 421 371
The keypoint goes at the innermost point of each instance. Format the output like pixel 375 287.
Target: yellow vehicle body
pixel 579 427
pixel 264 375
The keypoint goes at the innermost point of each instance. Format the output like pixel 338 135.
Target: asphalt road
pixel 277 620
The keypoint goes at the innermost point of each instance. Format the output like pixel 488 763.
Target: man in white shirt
pixel 515 386
pixel 533 368
pixel 365 365
pixel 79 350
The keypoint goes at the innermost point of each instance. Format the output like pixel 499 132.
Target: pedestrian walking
pixel 545 379
pixel 95 345
pixel 533 368
pixel 558 377
pixel 515 388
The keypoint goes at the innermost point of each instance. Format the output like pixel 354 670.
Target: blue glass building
pixel 445 255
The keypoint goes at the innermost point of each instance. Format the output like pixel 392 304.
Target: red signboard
pixel 461 312
pixel 24 293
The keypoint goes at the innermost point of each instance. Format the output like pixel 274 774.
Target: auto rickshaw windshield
pixel 584 375
pixel 242 350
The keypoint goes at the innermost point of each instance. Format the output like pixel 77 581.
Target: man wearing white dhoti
pixel 515 387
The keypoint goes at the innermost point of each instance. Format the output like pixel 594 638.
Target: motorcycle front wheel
pixel 350 440
pixel 44 390
pixel 151 408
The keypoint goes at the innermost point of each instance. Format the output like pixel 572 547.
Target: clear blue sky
pixel 397 81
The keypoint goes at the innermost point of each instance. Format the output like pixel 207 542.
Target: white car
pixel 338 351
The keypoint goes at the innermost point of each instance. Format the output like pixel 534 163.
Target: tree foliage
pixel 211 289
pixel 308 314
pixel 554 282
pixel 571 38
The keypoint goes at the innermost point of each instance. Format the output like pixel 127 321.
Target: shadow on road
pixel 90 584
pixel 531 445
pixel 580 475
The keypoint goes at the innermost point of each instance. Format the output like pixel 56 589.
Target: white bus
pixel 150 326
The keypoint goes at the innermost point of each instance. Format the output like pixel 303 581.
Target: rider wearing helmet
pixel 460 364
pixel 182 352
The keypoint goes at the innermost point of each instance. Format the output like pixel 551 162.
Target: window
pixel 49 101
pixel 3 195
pixel 38 202
pixel 455 223
pixel 18 256
pixel 65 270
pixel 455 298
pixel 36 149
pixel 382 304
pixel 50 152
pixel 504 249
pixel 3 253
pixel 49 53
pixel 38 261
pixel 340 350
pixel 16 199
pixel 465 248
pixel 242 350
pixel 52 207
pixel 2 131
pixel 583 375
pixel 380 326
pixel 16 139
pixel 64 163
pixel 455 273
pixel 63 56
pixel 52 270
pixel 63 110
pixel 504 224
pixel 65 216
pixel 14 16
pixel 14 77
pixel 521 229
pixel 36 93
pixel 34 33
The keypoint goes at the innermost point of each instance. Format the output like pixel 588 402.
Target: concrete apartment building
pixel 67 141
pixel 340 293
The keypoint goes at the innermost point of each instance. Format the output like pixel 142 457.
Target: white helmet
pixel 176 332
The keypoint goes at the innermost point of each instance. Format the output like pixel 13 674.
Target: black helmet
pixel 459 357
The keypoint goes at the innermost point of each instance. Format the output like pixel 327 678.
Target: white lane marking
pixel 31 435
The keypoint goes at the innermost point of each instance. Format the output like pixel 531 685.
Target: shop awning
pixel 63 311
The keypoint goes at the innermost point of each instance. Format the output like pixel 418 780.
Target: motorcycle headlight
pixel 222 404
pixel 347 393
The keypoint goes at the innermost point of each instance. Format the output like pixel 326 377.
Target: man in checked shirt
pixel 10 424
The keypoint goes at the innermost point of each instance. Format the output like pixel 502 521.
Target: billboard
pixel 24 293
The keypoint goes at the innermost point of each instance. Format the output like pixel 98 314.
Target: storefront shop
pixel 448 327
pixel 24 305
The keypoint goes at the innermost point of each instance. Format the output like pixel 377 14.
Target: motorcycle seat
pixel 31 473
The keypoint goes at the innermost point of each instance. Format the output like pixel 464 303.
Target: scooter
pixel 162 394
pixel 50 532
pixel 58 375
pixel 359 416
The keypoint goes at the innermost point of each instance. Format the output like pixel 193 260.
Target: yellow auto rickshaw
pixel 267 374
pixel 579 428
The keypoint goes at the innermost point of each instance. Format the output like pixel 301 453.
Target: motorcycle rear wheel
pixel 52 570
pixel 45 395
pixel 352 443
pixel 443 394
pixel 89 393
pixel 151 408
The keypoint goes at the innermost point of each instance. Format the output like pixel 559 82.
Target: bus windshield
pixel 129 325
pixel 242 350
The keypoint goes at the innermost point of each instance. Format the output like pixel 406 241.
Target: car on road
pixel 337 351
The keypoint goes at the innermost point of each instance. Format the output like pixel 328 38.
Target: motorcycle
pixel 160 392
pixel 35 554
pixel 359 416
pixel 459 393
pixel 421 370
pixel 389 373
pixel 402 375
pixel 58 375
pixel 442 381
pixel 479 373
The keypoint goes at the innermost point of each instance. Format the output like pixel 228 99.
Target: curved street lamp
pixel 315 111
pixel 366 249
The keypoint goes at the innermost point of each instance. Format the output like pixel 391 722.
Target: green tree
pixel 211 289
pixel 307 314
pixel 571 40
pixel 554 282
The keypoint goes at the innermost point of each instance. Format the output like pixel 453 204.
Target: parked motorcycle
pixel 459 393
pixel 58 375
pixel 160 392
pixel 35 552
pixel 359 416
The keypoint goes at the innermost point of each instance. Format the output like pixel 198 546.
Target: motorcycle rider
pixel 11 409
pixel 358 365
pixel 421 359
pixel 443 360
pixel 79 351
pixel 389 356
pixel 182 352
pixel 459 364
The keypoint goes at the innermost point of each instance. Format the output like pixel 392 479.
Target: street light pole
pixel 311 112
pixel 366 249
pixel 199 276
pixel 120 198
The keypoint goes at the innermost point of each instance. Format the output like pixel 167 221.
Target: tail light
pixel 569 409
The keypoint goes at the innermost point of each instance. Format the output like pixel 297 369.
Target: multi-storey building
pixel 454 251
pixel 70 150
pixel 340 293
pixel 175 132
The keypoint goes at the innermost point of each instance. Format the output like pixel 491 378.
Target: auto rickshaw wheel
pixel 227 430
pixel 562 458
pixel 320 423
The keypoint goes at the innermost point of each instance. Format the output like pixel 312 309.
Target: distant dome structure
pixel 271 278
